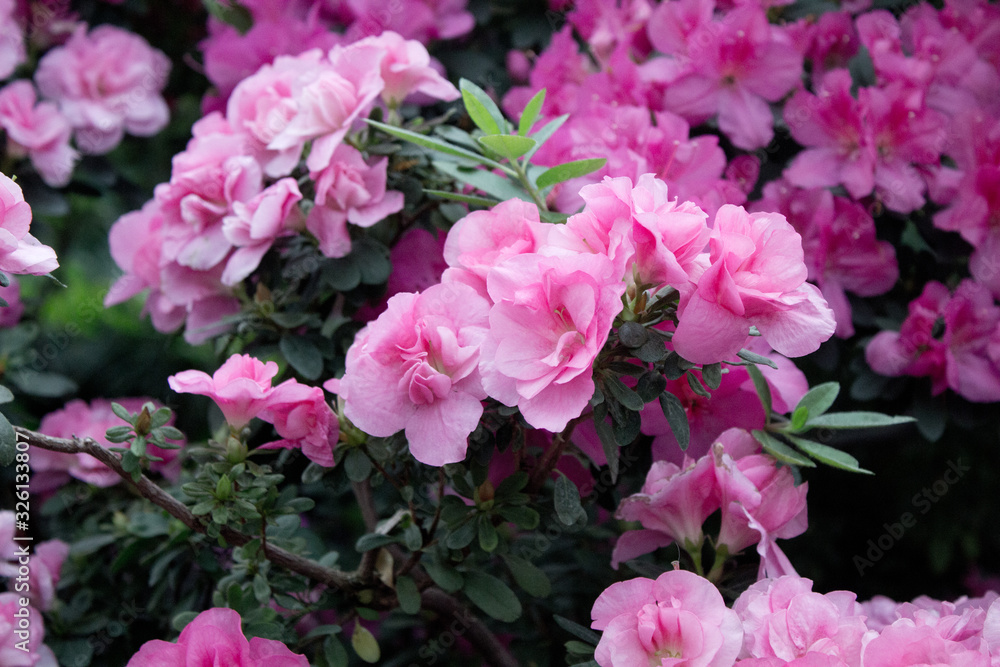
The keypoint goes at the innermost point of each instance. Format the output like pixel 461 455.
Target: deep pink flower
pixel 304 420
pixel 422 20
pixel 672 505
pixel 213 638
pixel 106 82
pixel 406 69
pixel 241 387
pixel 20 252
pixel 39 131
pixel 11 314
pixel 760 502
pixel 551 316
pixel 350 190
pixel 82 420
pixel 327 106
pixel 416 368
pixel 756 277
pixel 483 239
pixel 12 633
pixel 12 50
pixel 255 225
pixel 680 618
pixel 783 618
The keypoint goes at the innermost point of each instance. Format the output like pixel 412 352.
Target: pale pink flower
pixel 483 239
pixel 304 420
pixel 20 252
pixel 12 50
pixel 551 316
pixel 348 189
pixel 905 643
pixel 680 618
pixel 254 226
pixel 13 631
pixel 756 277
pixel 241 387
pixel 106 82
pixel 339 94
pixel 783 618
pixel 214 637
pixel 416 368
pixel 82 420
pixel 672 505
pixel 760 502
pixel 11 314
pixel 39 131
pixel 422 20
pixel 406 69
pixel 45 567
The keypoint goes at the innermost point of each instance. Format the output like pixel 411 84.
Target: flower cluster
pixel 20 252
pixel 242 389
pixel 234 192
pixel 782 621
pixel 525 307
pixel 96 86
pixel 46 564
pixel 920 133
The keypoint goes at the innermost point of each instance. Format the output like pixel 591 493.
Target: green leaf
pixel 763 389
pixel 462 536
pixel 528 576
pixel 261 589
pixel 118 433
pixel 449 579
pixel 564 172
pixel 365 645
pixel 481 109
pixel 608 443
pixel 623 394
pixel 334 652
pixel 650 385
pixel 357 465
pixel 180 621
pixel 514 483
pixel 492 596
pixel 46 385
pixel 577 630
pixel 511 146
pixel 373 541
pixel 828 455
pixel 465 199
pixel 579 649
pixel 6 396
pixel 799 418
pixel 838 420
pixel 780 450
pixel 488 539
pixel 524 517
pixel 712 375
pixel 372 260
pixel 230 12
pixel 486 181
pixel 677 419
pixel 435 144
pixel 544 134
pixel 303 355
pixel 8 442
pixel 409 596
pixel 567 501
pixel 754 358
pixel 819 399
pixel 530 113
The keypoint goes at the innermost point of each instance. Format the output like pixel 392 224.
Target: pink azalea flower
pixel 672 505
pixel 833 41
pixel 20 252
pixel 406 69
pixel 106 82
pixel 241 387
pixel 678 618
pixel 560 69
pixel 418 262
pixel 483 239
pixel 214 637
pixel 737 65
pixel 760 502
pixel 906 643
pixel 783 618
pixel 11 314
pixel 416 368
pixel 82 420
pixel 422 20
pixel 304 420
pixel 37 655
pixel 550 318
pixel 46 564
pixel 756 277
pixel 350 190
pixel 12 50
pixel 39 131
pixel 255 225
pixel 341 93
pixel 608 27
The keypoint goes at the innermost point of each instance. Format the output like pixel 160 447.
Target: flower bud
pixel 236 450
pixel 223 488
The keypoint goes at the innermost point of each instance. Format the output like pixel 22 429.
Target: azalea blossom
pixel 240 387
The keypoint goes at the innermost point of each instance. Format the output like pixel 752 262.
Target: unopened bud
pixel 143 422
pixel 486 491
pixel 223 488
pixel 236 450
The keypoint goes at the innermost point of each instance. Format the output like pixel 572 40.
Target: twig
pixel 495 653
pixel 552 455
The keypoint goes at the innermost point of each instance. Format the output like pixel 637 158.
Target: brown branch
pixel 433 599
pixel 552 455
